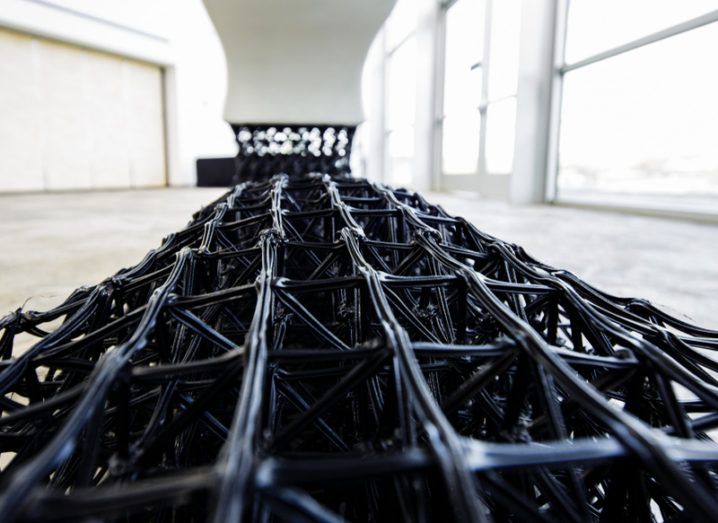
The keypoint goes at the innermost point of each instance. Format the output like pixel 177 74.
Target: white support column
pixel 535 98
pixel 296 61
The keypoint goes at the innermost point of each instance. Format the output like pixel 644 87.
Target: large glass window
pixel 401 81
pixel 504 48
pixel 501 123
pixel 596 25
pixel 401 23
pixel 480 79
pixel 401 112
pixel 641 126
pixel 463 86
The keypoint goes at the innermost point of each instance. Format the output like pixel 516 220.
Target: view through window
pixel 401 100
pixel 480 83
pixel 640 126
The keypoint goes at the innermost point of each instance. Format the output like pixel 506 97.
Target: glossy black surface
pixel 322 348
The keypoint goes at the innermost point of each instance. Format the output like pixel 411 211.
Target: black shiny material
pixel 265 150
pixel 323 348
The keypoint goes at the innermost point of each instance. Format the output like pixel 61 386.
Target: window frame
pixel 492 183
pixel 388 50
pixel 558 73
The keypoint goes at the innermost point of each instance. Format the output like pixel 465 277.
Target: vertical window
pixel 639 115
pixel 401 23
pixel 401 84
pixel 480 80
pixel 501 123
pixel 463 86
pixel 503 79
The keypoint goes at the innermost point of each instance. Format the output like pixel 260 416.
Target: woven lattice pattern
pixel 324 349
pixel 265 150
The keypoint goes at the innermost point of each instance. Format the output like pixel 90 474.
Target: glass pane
pixel 462 86
pixel 464 48
pixel 401 22
pixel 400 155
pixel 597 25
pixel 400 172
pixel 462 90
pixel 504 49
pixel 461 143
pixel 645 122
pixel 500 127
pixel 401 86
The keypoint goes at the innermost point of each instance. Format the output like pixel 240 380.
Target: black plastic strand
pixel 317 347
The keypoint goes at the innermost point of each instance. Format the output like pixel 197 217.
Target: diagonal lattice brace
pixel 325 348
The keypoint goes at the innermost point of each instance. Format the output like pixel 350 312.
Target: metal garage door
pixel 72 118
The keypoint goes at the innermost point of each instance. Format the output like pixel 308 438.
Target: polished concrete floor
pixel 53 243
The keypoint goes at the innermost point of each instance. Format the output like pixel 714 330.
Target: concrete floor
pixel 53 243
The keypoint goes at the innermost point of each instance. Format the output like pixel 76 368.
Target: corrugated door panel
pixel 144 110
pixel 65 116
pixel 21 122
pixel 77 119
pixel 109 149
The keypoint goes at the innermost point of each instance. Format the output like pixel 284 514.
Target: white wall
pixel 75 118
pixel 199 77
pixel 176 35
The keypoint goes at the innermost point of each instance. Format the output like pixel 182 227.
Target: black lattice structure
pixel 265 150
pixel 323 348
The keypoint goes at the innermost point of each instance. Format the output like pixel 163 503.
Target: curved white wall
pixel 296 61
